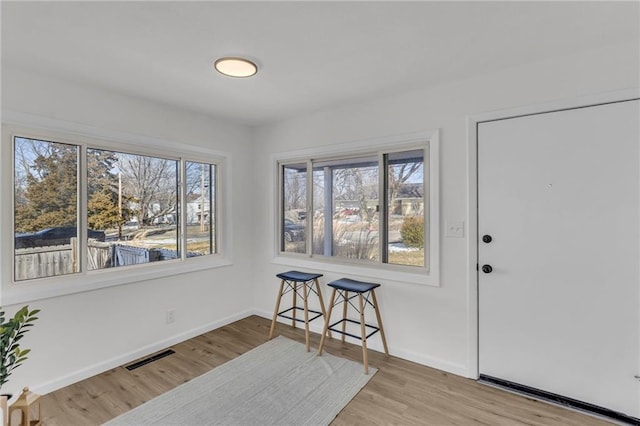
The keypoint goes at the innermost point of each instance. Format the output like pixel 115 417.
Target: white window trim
pixel 387 272
pixel 21 124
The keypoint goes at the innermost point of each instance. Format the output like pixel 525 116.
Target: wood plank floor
pixel 401 393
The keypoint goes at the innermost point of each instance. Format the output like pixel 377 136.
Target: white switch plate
pixel 454 230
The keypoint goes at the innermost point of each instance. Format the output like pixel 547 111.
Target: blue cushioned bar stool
pixel 364 292
pixel 294 281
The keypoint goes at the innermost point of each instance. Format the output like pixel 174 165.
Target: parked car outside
pixel 293 231
pixel 53 237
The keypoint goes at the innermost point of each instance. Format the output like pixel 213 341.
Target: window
pixel 346 218
pixel 127 211
pixel 45 208
pixel 294 208
pixel 201 212
pixel 369 208
pixel 405 201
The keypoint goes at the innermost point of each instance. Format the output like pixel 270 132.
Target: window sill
pixel 45 288
pixel 373 272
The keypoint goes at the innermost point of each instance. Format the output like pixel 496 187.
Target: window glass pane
pixel 294 212
pixel 405 192
pixel 322 180
pixel 347 192
pixel 200 192
pixel 45 208
pixel 133 199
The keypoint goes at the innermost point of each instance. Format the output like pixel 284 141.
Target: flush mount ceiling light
pixel 236 67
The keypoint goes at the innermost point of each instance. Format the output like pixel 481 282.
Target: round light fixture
pixel 236 67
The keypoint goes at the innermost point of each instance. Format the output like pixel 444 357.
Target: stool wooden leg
pixel 322 307
pixel 327 322
pixel 377 309
pixel 365 358
pixel 305 295
pixel 275 313
pixel 295 299
pixel 345 294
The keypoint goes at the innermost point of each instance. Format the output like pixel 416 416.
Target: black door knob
pixel 487 269
pixel 487 238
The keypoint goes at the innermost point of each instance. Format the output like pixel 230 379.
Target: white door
pixel 559 195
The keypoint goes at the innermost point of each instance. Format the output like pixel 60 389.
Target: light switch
pixel 454 230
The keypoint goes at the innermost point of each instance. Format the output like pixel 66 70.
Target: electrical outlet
pixel 171 316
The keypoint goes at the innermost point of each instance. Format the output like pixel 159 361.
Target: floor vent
pixel 152 358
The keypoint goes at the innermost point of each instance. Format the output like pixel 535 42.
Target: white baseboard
pixel 108 364
pixel 376 345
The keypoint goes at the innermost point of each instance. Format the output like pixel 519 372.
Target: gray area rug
pixel 277 383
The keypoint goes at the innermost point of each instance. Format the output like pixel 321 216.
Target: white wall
pixel 426 324
pixel 84 333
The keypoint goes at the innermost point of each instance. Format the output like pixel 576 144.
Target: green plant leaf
pixel 12 332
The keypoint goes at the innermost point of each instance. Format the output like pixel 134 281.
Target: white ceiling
pixel 311 55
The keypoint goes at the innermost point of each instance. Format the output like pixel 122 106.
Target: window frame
pixel 426 275
pixel 27 126
pixel 214 176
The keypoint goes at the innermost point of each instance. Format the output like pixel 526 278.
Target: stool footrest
pixel 375 329
pixel 282 314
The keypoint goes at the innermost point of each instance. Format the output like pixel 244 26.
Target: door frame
pixel 473 121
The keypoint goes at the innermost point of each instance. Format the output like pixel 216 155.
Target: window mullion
pixel 82 208
pixel 309 208
pixel 281 197
pixel 182 191
pixel 383 203
pixel 428 167
pixel 213 207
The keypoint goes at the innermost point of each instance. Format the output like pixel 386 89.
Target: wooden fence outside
pixel 45 261
pixel 50 261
